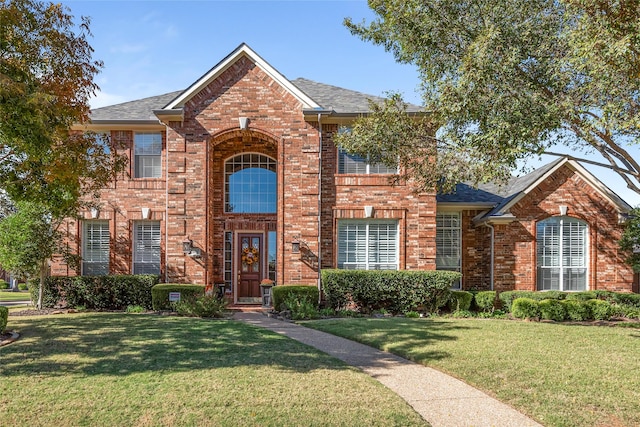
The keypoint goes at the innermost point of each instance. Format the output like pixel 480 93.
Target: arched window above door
pixel 250 184
pixel 562 252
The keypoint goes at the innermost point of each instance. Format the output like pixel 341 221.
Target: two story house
pixel 237 179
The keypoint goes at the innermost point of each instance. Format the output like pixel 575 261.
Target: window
pixel 354 164
pixel 448 245
pixel 368 245
pixel 562 254
pixel 146 247
pixel 95 248
pixel 250 184
pixel 148 155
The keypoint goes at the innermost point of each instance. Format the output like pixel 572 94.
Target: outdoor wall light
pixel 244 122
pixel 187 246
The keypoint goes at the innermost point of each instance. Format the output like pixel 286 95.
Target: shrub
pixel 508 297
pixel 22 286
pixel 552 309
pixel 3 284
pixel 460 300
pixel 160 294
pixel 525 308
pixel 577 309
pixel 628 311
pixel 582 296
pixel 202 306
pixel 4 317
pixel 281 294
pixel 462 314
pixel 397 291
pixel 600 309
pixel 484 301
pixel 412 314
pixel 134 309
pixel 627 299
pixel 301 306
pixel 96 292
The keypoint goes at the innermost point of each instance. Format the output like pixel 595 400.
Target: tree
pixel 28 239
pixel 630 241
pixel 506 80
pixel 46 79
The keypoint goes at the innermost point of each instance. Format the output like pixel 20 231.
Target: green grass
pixel 560 375
pixel 145 370
pixel 14 296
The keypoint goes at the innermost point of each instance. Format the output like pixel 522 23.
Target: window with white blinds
pixel 448 242
pixel 148 155
pixel 146 247
pixel 354 164
pixel 95 248
pixel 562 250
pixel 368 245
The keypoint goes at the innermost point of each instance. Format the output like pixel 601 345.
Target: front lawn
pixel 559 374
pixel 148 370
pixel 14 296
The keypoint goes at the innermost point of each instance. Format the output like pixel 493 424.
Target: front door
pixel 250 255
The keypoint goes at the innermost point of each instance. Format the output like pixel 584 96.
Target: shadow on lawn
pixel 409 338
pixel 119 344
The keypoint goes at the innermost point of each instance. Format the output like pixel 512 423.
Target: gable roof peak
pixel 243 50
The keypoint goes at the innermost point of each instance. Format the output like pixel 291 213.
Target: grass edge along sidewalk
pixel 128 369
pixel 558 374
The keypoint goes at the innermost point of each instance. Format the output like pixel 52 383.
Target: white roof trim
pixel 222 66
pixel 602 189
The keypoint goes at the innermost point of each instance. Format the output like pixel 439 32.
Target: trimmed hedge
pixel 600 309
pixel 577 310
pixel 96 292
pixel 397 291
pixel 525 308
pixel 3 284
pixel 282 293
pixel 485 300
pixel 460 300
pixel 4 317
pixel 160 294
pixel 552 309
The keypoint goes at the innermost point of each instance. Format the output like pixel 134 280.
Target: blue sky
pixel 154 47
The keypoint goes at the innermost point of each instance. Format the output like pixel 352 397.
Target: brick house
pixel 237 179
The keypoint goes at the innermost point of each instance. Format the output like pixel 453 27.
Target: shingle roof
pixel 329 97
pixel 339 99
pixel 141 109
pixel 497 194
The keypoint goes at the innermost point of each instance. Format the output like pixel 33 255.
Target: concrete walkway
pixel 440 399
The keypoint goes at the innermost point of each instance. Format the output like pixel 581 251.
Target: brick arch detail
pixel 235 133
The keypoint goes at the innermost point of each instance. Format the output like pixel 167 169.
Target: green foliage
pixel 600 309
pixel 506 80
pixel 552 309
pixel 582 296
pixel 412 314
pixel 3 284
pixel 327 312
pixel 485 300
pixel 201 306
pixel 630 241
pixel 22 286
pixel 302 306
pixel 160 294
pixel 460 300
pixel 281 295
pixel 507 297
pixel 525 308
pixel 96 292
pixel 4 317
pixel 396 291
pixel 627 299
pixel 577 309
pixel 462 314
pixel 135 309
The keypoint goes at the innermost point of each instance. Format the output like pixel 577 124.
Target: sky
pixel 154 47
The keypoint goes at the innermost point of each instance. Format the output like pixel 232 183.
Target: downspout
pixel 493 234
pixel 319 207
pixel 166 204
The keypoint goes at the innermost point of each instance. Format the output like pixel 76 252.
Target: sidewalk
pixel 441 400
